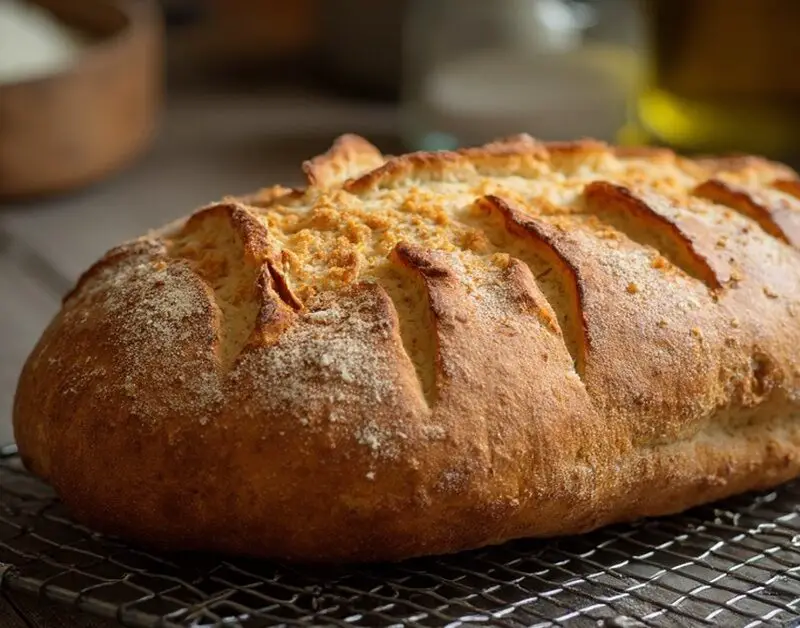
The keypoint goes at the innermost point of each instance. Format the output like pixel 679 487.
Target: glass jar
pixel 723 76
pixel 475 70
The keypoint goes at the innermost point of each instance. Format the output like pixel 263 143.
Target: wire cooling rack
pixel 731 564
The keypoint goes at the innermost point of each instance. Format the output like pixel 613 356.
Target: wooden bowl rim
pixel 138 17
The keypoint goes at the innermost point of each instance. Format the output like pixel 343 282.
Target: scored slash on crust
pixel 776 212
pixel 229 248
pixel 650 219
pixel 349 156
pixel 564 287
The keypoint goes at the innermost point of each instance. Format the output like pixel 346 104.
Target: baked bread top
pixel 429 352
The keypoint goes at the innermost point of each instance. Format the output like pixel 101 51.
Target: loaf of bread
pixel 431 352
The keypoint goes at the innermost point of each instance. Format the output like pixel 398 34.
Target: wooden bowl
pixel 72 128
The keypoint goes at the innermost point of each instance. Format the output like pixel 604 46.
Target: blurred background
pixel 117 116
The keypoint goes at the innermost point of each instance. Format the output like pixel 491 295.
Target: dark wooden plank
pixel 10 617
pixel 27 611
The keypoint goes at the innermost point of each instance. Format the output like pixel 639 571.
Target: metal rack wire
pixel 732 564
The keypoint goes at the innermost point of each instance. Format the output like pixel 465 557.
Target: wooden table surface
pixel 208 145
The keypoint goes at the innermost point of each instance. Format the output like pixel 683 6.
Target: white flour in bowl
pixel 33 43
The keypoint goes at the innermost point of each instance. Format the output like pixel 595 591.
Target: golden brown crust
pixel 349 156
pixel 430 352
